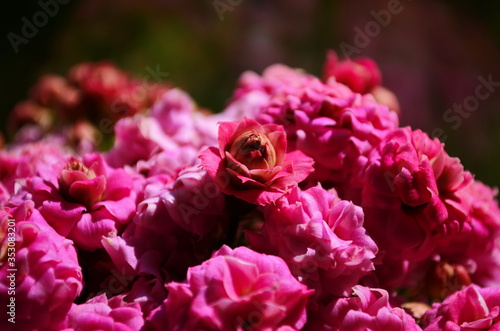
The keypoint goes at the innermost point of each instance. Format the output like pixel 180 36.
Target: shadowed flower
pixel 366 309
pixel 412 197
pixel 99 313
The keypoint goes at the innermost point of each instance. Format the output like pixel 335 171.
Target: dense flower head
pixel 84 199
pixel 327 121
pixel 112 91
pixel 320 237
pixel 234 290
pixel 472 308
pixel 38 268
pixel 366 309
pixel 251 162
pixel 412 195
pixel 301 206
pixel 97 91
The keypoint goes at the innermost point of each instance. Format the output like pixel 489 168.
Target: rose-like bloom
pixel 473 308
pixel 251 162
pixel 43 276
pixel 320 237
pixel 99 313
pixel 362 74
pixel 84 199
pixel 235 290
pixel 366 309
pixel 412 197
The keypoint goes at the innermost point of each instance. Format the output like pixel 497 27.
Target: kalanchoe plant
pixel 301 206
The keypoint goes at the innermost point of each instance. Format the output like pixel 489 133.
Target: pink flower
pixel 99 313
pixel 320 237
pixel 154 244
pixel 477 247
pixel 84 200
pixel 251 162
pixel 44 269
pixel 366 309
pixel 473 308
pixel 21 161
pixel 179 118
pixel 362 74
pixel 327 121
pixel 195 203
pixel 234 290
pixel 412 199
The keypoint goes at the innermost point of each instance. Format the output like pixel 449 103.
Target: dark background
pixel 431 53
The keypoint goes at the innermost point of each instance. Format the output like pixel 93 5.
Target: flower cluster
pixel 301 206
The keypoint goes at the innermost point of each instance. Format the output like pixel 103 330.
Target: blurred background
pixel 431 53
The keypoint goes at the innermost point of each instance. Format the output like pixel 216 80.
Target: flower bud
pixel 80 184
pixel 254 150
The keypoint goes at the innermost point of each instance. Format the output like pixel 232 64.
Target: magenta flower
pixel 251 162
pixel 362 75
pixel 21 161
pixel 99 313
pixel 477 247
pixel 140 138
pixel 180 119
pixel 43 277
pixel 235 290
pixel 473 308
pixel 327 121
pixel 154 243
pixel 366 309
pixel 320 237
pixel 195 203
pixel 84 200
pixel 412 196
